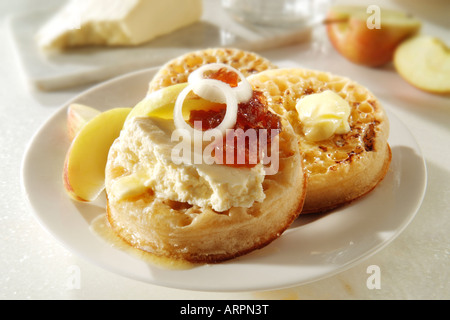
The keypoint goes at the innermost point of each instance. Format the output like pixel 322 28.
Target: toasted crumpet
pixel 182 231
pixel 345 166
pixel 177 70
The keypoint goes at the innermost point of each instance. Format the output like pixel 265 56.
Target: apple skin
pixel 424 62
pixel 85 161
pixel 349 34
pixel 93 134
pixel 77 116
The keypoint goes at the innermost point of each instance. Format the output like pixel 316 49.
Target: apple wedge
pixel 424 62
pixel 161 103
pixel 84 166
pixel 77 116
pixel 349 32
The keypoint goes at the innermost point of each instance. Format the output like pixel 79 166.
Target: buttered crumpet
pixel 342 130
pixel 221 200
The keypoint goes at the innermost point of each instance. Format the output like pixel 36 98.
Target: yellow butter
pixel 323 115
pixel 130 186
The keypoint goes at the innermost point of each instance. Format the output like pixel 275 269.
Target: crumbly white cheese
pixel 148 142
pixel 116 22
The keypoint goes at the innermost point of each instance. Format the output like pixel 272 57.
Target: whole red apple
pixel 369 37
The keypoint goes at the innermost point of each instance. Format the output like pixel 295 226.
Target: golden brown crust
pixel 217 258
pixel 317 204
pixel 177 70
pixel 344 167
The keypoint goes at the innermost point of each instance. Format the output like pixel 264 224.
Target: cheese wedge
pixel 116 22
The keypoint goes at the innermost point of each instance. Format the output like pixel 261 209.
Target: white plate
pixel 314 247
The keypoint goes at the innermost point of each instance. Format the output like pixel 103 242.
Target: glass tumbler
pixel 277 13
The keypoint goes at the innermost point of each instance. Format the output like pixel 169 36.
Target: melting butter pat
pixel 323 115
pixel 130 186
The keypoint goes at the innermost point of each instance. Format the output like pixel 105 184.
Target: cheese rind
pixel 116 22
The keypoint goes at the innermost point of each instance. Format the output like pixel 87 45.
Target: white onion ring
pixel 223 90
pixel 243 91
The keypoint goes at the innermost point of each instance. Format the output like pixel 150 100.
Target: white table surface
pixel 414 266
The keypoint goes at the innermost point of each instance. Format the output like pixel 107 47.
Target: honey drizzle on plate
pixel 100 226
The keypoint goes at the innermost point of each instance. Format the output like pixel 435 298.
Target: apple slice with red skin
pixel 84 165
pixel 77 116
